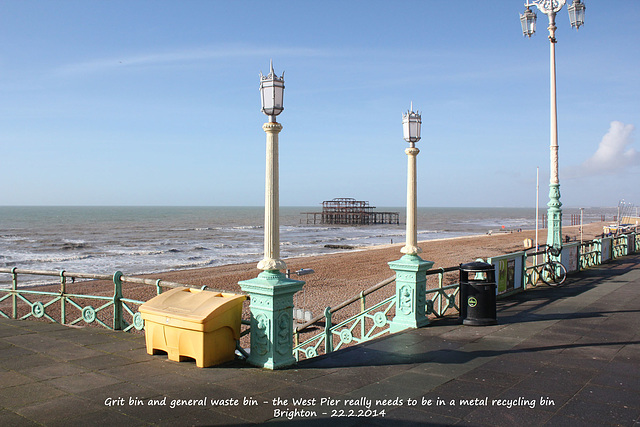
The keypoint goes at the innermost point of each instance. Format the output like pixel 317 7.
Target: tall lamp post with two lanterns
pixel 528 21
pixel 271 292
pixel 411 270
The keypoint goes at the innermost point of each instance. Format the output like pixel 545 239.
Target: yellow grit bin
pixel 200 324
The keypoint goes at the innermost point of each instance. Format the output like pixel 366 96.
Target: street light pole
pixel 271 260
pixel 271 293
pixel 528 20
pixel 554 213
pixel 272 94
pixel 411 122
pixel 411 277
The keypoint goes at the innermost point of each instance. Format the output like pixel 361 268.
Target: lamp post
pixel 528 21
pixel 411 126
pixel 271 293
pixel 272 94
pixel 411 270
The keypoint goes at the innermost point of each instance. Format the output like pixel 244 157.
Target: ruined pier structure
pixel 350 211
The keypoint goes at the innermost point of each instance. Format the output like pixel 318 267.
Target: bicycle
pixel 551 272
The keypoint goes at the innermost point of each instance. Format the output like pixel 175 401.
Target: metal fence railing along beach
pixel 358 319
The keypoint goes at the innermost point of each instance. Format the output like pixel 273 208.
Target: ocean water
pixel 139 240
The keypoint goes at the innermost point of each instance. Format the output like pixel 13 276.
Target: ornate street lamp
pixel 272 94
pixel 528 21
pixel 411 124
pixel 411 270
pixel 271 293
pixel 576 14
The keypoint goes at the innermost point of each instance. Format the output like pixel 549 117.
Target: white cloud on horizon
pixel 613 156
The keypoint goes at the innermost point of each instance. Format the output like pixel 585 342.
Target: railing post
pixel 117 303
pixel 363 329
pixel 440 293
pixel 14 293
pixel 627 241
pixel 158 288
pixel 63 298
pixel 328 337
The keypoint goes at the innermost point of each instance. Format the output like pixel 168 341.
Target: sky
pixel 157 102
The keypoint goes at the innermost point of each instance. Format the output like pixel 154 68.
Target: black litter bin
pixel 478 294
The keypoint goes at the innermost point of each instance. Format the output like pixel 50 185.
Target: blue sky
pixel 157 102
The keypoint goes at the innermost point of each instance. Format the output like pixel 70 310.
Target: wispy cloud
pixel 184 56
pixel 614 154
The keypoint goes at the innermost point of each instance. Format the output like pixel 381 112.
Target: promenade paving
pixel 566 356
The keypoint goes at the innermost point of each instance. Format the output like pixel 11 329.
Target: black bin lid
pixel 476 266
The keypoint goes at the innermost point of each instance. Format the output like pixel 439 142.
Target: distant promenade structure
pixel 349 211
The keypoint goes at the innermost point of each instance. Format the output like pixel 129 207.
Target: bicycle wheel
pixel 561 272
pixel 553 273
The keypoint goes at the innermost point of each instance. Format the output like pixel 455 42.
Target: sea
pixel 142 240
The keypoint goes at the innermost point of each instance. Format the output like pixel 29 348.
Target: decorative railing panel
pixel 619 246
pixel 112 311
pixel 366 325
pixel 589 254
pixel 375 321
pixel 443 299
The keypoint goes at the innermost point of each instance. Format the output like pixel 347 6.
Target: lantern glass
pixel 528 21
pixel 411 124
pixel 576 13
pixel 272 93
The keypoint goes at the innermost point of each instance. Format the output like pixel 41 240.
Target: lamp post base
pixel 554 214
pixel 271 295
pixel 411 280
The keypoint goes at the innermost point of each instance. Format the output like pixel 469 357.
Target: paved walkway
pixel 567 356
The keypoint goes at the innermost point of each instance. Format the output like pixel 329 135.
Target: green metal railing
pixel 443 298
pixel 114 311
pixel 589 254
pixel 530 273
pixel 619 246
pixel 372 322
pixel 367 325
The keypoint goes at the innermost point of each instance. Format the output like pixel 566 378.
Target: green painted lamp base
pixel 271 295
pixel 554 217
pixel 411 280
